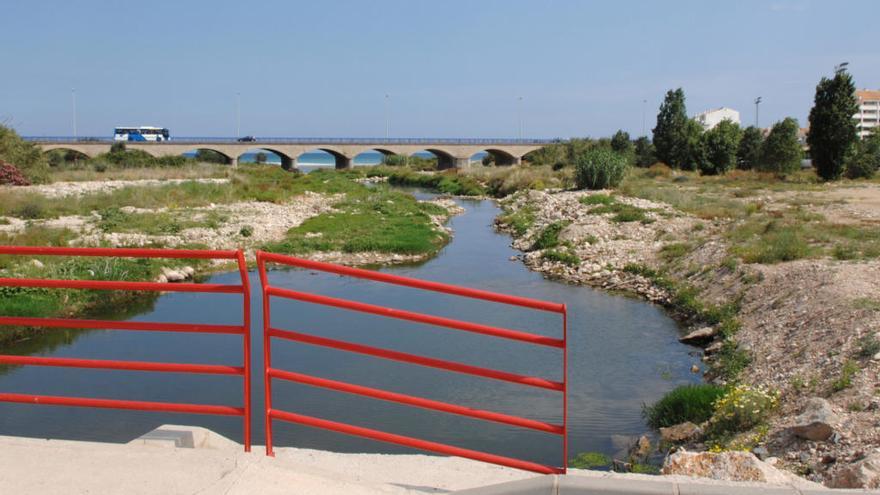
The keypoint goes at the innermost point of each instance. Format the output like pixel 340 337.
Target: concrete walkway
pixel 188 460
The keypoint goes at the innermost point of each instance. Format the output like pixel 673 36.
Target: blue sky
pixel 452 68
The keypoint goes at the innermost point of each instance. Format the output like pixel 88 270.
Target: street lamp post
pixel 519 116
pixel 757 103
pixel 73 100
pixel 237 115
pixel 387 115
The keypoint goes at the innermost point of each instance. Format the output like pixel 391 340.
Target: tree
pixel 749 153
pixel 781 152
pixel 833 131
pixel 719 147
pixel 671 132
pixel 694 150
pixel 621 143
pixel 865 161
pixel 261 157
pixel 117 147
pixel 644 151
pixel 211 156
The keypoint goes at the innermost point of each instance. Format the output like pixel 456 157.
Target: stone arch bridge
pixel 450 153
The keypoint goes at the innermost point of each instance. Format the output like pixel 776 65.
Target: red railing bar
pixel 411 282
pixel 118 252
pixel 412 442
pixel 137 405
pixel 209 369
pixel 246 344
pixel 415 359
pixel 120 325
pixel 119 285
pixel 415 401
pixel 417 317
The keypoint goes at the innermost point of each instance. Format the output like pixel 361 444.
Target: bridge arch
pixel 359 157
pixel 286 159
pixel 211 155
pixel 445 159
pixel 340 159
pixel 494 156
pixel 69 148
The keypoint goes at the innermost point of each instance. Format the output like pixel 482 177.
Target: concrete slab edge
pixel 583 485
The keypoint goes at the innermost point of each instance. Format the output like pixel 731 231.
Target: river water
pixel 622 353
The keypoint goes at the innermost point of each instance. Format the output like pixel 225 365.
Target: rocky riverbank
pixel 806 328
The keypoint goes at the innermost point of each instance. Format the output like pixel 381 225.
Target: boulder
pixel 681 432
pixel 642 448
pixel 861 474
pixel 188 271
pixel 730 466
pixel 173 275
pixel 700 336
pixel 815 422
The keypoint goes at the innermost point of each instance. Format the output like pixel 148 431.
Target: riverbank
pixel 324 216
pixel 782 279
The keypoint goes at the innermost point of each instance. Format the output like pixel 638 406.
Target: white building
pixel 868 117
pixel 711 118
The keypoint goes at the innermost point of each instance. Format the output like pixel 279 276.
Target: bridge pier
pixel 342 162
pixel 462 162
pixel 233 161
pixel 288 163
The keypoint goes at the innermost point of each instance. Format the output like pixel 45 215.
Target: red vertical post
pixel 267 354
pixel 246 346
pixel 564 389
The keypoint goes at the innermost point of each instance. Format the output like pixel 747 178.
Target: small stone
pixel 37 263
pixel 162 279
pixel 681 432
pixel 695 369
pixel 876 357
pixel 700 336
pixel 642 448
pixel 862 474
pixel 815 421
pixel 761 452
pixel 188 271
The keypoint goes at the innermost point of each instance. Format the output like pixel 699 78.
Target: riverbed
pixel 623 353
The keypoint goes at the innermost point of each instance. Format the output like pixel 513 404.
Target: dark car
pixel 247 139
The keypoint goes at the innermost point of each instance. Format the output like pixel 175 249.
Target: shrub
pixel 590 460
pixel 117 147
pixel 549 237
pixel 566 257
pixel 29 159
pixel 720 145
pixel 599 169
pixel 741 408
pixel 781 152
pixel 246 231
pixel 659 169
pixel 868 346
pixel 844 381
pixel 692 403
pixel 596 199
pixel 30 211
pixel 10 175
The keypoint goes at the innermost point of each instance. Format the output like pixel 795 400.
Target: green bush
pixel 692 403
pixel 599 168
pixel 596 199
pixel 566 257
pixel 25 156
pixel 589 460
pixel 741 408
pixel 549 237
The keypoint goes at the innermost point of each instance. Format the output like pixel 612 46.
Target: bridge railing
pixel 271 373
pixel 242 329
pixel 301 140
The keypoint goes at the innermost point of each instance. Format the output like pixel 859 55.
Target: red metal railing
pixel 244 330
pixel 270 373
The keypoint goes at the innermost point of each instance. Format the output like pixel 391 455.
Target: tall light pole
pixel 519 116
pixel 237 115
pixel 757 102
pixel 644 110
pixel 73 100
pixel 387 115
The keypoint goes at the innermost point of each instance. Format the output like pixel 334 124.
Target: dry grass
pixel 195 171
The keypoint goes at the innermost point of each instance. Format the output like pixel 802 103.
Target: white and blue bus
pixel 142 133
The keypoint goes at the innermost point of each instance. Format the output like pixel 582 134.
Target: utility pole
pixel 387 115
pixel 73 99
pixel 644 110
pixel 237 115
pixel 519 116
pixel 757 102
